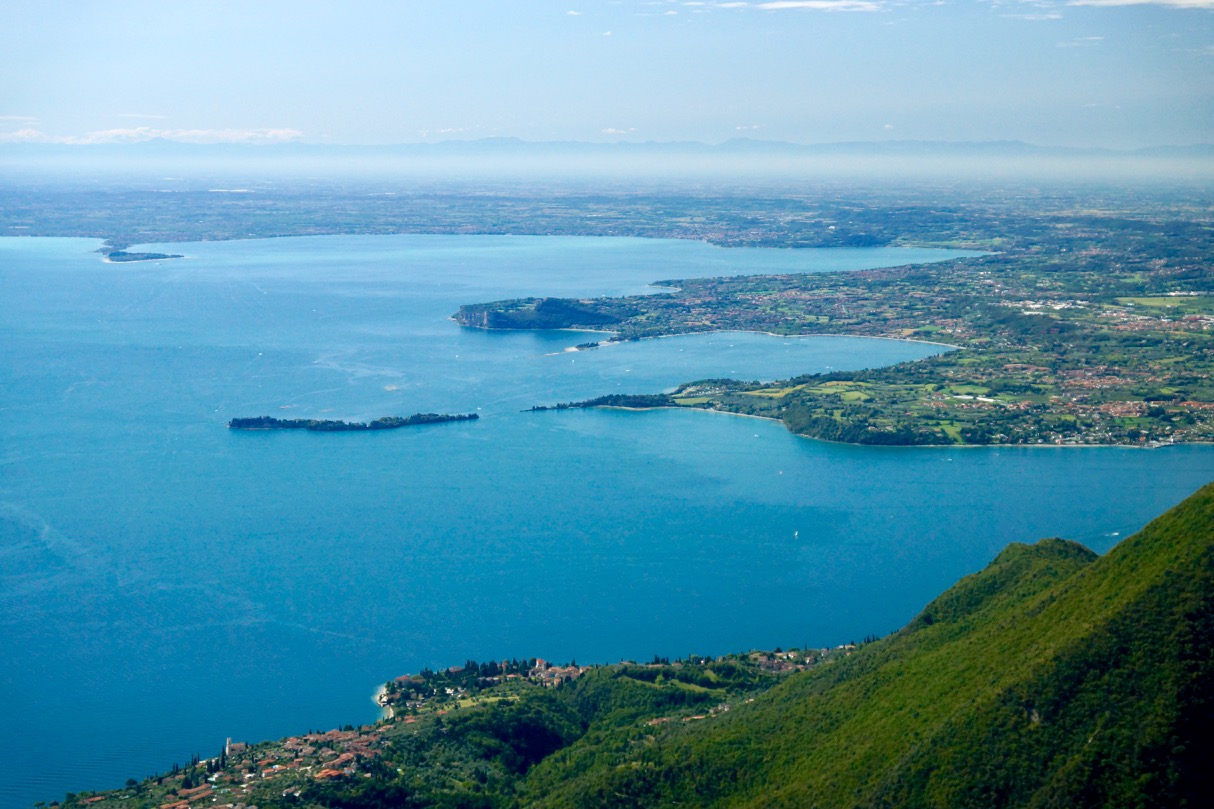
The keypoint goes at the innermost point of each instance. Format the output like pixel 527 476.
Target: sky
pixel 1087 73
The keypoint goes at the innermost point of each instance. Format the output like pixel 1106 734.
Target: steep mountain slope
pixel 1052 678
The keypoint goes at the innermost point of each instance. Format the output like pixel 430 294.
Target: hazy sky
pixel 1116 73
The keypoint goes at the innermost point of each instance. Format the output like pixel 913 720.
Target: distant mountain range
pixel 617 162
pixel 503 146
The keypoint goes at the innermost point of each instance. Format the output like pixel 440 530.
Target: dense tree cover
pixel 1049 679
pixel 122 256
pixel 806 421
pixel 638 401
pixel 544 313
pixel 334 426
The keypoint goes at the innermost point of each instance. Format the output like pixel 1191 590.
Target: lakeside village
pixel 244 774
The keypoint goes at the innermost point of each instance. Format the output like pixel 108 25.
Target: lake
pixel 166 583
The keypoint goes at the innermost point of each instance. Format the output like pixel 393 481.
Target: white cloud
pixel 1200 4
pixel 145 133
pixel 19 119
pixel 1081 42
pixel 574 13
pixel 613 131
pixel 23 136
pixel 822 5
pixel 1049 10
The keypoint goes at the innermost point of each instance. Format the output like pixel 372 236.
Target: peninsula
pixel 1078 328
pixel 623 401
pixel 332 426
pixel 123 257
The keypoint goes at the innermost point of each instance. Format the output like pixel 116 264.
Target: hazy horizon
pixel 1118 74
pixel 169 165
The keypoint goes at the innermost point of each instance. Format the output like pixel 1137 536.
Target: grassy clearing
pixel 1188 304
pixel 774 393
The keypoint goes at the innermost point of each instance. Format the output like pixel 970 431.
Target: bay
pixel 166 583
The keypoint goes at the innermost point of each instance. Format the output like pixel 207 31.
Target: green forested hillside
pixel 1049 679
pixel 1053 678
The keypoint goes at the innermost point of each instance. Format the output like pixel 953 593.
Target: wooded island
pixel 333 426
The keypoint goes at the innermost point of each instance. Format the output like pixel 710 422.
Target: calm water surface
pixel 166 583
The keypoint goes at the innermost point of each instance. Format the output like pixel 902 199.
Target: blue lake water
pixel 166 583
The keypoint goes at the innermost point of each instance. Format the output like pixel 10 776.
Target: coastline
pixel 108 260
pixel 686 408
pixel 605 343
pixel 386 711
